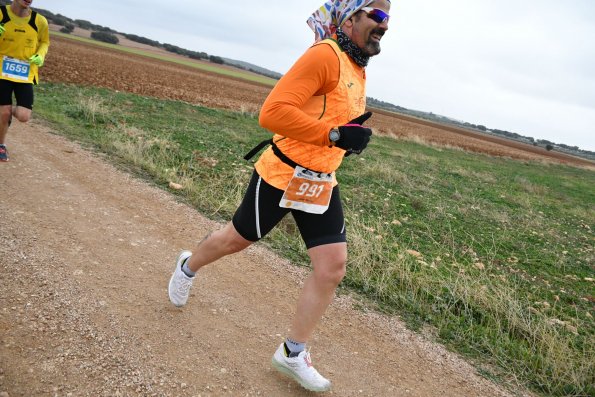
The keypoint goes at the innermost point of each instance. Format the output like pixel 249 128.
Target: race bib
pixel 15 68
pixel 308 191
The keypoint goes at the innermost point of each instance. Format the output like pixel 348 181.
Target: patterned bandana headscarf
pixel 325 21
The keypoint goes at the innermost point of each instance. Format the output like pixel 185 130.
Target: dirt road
pixel 86 252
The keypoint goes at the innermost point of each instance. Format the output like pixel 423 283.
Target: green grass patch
pixel 236 73
pixel 495 255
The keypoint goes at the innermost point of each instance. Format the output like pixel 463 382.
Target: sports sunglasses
pixel 376 14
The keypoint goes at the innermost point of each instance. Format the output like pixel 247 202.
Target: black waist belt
pixel 278 153
pixel 257 148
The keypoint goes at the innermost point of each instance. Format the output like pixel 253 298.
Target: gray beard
pixel 372 48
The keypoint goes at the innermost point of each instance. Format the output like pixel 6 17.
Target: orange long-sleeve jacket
pixel 323 90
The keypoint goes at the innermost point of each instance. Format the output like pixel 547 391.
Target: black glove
pixel 353 136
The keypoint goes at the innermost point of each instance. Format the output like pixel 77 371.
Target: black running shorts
pixel 23 92
pixel 259 212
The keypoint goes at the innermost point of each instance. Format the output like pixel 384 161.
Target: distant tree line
pixel 383 105
pixel 108 35
pixel 190 54
pixel 478 127
pixel 272 75
pixel 141 40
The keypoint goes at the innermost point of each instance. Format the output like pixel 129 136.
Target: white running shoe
pixel 300 368
pixel 180 283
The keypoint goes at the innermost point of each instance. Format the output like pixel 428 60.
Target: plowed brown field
pixel 70 61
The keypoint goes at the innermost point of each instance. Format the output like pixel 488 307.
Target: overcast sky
pixel 522 66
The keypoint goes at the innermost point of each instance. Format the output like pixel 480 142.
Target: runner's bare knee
pixel 232 240
pixel 22 114
pixel 331 272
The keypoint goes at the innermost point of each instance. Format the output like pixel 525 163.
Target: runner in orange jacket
pixel 316 112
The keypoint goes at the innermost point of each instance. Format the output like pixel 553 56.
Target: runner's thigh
pixel 259 211
pixel 23 92
pixel 327 228
pixel 6 89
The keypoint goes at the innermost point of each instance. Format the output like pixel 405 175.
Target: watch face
pixel 334 135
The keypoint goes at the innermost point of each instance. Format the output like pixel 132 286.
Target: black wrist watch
pixel 334 135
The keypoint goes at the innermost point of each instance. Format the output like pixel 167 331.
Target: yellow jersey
pixel 23 37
